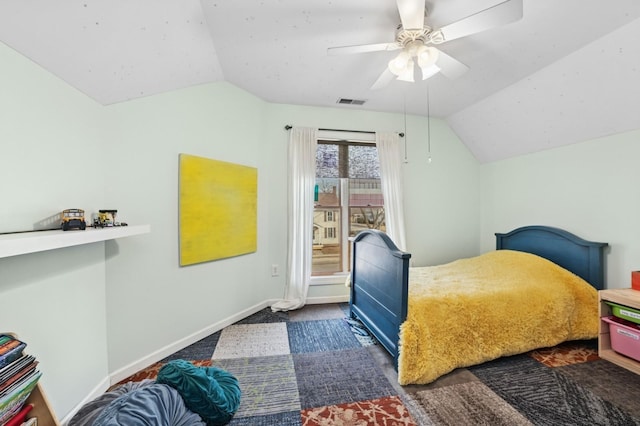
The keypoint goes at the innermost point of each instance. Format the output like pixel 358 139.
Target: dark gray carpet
pixel 335 377
pixel 547 397
pixel 468 404
pixel 609 381
pixel 265 316
pixel 329 369
pixel 199 350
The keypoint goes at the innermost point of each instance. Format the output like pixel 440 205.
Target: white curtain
pixel 302 180
pixel 390 158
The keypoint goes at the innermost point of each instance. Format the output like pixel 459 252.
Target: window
pixel 348 200
pixel 330 233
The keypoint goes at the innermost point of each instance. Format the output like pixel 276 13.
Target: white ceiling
pixel 568 71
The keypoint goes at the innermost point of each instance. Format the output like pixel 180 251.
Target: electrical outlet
pixel 275 270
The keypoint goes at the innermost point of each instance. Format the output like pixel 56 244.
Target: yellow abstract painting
pixel 218 209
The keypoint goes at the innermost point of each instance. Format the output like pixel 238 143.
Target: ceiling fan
pixel 416 40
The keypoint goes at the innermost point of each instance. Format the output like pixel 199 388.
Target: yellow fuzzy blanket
pixel 478 309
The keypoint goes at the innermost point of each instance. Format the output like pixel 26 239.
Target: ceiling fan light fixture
pixel 429 71
pixel 427 56
pixel 403 65
pixel 400 63
pixel 407 74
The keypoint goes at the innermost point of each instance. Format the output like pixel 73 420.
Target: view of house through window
pixel 348 200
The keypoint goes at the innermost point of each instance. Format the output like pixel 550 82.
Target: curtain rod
pixel 289 127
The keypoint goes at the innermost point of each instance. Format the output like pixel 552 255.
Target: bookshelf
pixel 42 409
pixel 32 242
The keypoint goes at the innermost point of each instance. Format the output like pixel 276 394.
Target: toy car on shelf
pixel 106 218
pixel 72 219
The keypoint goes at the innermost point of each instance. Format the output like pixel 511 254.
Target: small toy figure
pixel 105 218
pixel 72 218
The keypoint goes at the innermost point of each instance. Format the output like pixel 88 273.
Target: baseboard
pixel 164 352
pixel 95 392
pixel 174 347
pixel 327 299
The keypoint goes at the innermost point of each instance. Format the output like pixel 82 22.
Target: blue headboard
pixel 583 258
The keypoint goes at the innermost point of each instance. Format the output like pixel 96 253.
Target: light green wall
pixel 51 158
pixel 151 300
pixel 442 206
pixel 126 301
pixel 589 189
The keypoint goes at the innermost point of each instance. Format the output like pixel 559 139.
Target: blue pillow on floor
pixel 211 392
pixel 144 404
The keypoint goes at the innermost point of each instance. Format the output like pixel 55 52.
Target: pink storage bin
pixel 624 339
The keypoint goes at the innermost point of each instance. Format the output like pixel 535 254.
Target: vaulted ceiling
pixel 568 71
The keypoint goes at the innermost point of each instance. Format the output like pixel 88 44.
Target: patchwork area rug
pixel 315 366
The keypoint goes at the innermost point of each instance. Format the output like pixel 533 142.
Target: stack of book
pixel 18 377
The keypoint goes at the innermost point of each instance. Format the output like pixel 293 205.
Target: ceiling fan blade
pixel 363 48
pixel 384 79
pixel 449 66
pixel 411 14
pixel 500 14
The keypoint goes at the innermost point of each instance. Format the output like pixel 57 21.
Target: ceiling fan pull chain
pixel 428 127
pixel 406 159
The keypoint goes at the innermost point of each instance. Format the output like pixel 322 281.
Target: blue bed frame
pixel 380 273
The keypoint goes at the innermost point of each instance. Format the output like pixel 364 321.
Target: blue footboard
pixel 379 286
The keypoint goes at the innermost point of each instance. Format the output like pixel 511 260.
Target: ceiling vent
pixel 346 101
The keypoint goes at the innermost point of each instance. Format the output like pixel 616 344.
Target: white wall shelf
pixel 32 242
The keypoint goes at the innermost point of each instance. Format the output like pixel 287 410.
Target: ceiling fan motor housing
pixel 425 35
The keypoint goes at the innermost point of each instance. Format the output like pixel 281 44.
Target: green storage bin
pixel 625 312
